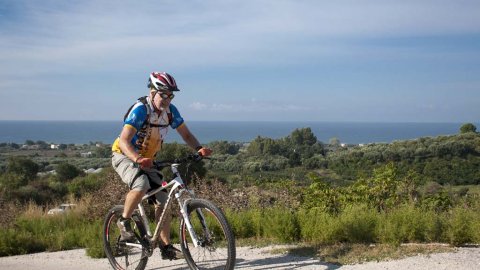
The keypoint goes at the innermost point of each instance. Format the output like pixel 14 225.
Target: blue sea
pixel 106 131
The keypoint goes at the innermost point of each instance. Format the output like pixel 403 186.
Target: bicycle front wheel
pixel 123 255
pixel 216 243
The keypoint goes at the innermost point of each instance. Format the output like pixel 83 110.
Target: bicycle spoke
pixel 120 254
pixel 217 247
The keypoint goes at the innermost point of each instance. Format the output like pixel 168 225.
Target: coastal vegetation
pixel 294 189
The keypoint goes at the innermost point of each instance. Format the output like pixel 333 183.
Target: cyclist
pixel 144 130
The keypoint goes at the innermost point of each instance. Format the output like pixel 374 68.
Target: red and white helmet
pixel 162 81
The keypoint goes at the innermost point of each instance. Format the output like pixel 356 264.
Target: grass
pixel 357 232
pixel 343 254
pixel 35 231
pixel 360 253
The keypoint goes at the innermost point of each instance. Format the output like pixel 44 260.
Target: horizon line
pixel 275 121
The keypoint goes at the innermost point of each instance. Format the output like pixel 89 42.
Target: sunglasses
pixel 165 95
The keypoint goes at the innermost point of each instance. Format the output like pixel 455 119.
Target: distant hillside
pixel 451 159
pixel 445 159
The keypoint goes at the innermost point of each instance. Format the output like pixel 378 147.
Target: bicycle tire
pixel 215 252
pixel 119 254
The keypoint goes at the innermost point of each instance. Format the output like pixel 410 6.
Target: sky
pixel 265 60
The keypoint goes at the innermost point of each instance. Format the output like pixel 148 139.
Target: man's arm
pixel 125 142
pixel 129 150
pixel 191 140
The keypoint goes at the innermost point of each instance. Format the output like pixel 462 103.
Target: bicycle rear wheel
pixel 216 249
pixel 120 254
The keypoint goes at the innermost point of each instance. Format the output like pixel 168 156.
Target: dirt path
pixel 247 258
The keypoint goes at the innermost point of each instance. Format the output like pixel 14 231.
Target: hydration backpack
pixel 147 123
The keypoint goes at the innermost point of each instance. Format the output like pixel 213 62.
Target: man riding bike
pixel 144 130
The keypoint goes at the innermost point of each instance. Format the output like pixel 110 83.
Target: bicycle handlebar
pixel 189 158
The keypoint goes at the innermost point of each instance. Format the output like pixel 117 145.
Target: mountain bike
pixel 206 239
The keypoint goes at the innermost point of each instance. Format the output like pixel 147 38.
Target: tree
pixel 468 127
pixel 264 146
pixel 14 146
pixel 303 136
pixel 42 145
pixel 175 150
pixel 23 167
pixel 66 171
pixel 29 142
pixel 224 147
pixel 103 152
pixel 334 141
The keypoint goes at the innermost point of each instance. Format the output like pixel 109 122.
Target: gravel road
pixel 247 258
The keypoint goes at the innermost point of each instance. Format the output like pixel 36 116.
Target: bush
pixel 224 147
pixel 407 224
pixel 281 224
pixel 318 227
pixel 24 167
pixel 83 185
pixel 468 127
pixel 245 224
pixel 14 242
pixel 11 181
pixel 461 229
pixel 358 224
pixel 66 171
pixel 35 232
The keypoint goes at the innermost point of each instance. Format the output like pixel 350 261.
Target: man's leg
pixel 131 201
pixel 133 198
pixel 138 182
pixel 167 250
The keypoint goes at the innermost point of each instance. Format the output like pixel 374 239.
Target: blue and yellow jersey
pixel 148 139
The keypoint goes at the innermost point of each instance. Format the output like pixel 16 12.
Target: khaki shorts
pixel 136 178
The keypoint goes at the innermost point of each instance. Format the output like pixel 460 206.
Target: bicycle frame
pixel 177 188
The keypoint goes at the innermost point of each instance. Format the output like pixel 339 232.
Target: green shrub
pixel 15 242
pixel 244 224
pixel 82 185
pixel 358 224
pixel 281 224
pixel 34 233
pixel 92 239
pixel 435 226
pixel 66 171
pixel 318 227
pixel 461 226
pixel 405 224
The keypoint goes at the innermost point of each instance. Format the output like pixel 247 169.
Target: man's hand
pixel 205 152
pixel 145 162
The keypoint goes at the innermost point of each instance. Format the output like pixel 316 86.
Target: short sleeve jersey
pixel 148 139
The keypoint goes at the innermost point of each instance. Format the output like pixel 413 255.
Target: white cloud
pixel 99 36
pixel 95 43
pixel 198 106
pixel 253 106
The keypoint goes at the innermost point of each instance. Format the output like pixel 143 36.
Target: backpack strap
pixel 146 123
pixel 144 101
pixel 149 110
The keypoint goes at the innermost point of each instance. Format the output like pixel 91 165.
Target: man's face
pixel 163 98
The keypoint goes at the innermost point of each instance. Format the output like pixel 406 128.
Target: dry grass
pixel 343 254
pixel 9 211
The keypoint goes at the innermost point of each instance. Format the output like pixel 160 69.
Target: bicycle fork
pixel 188 224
